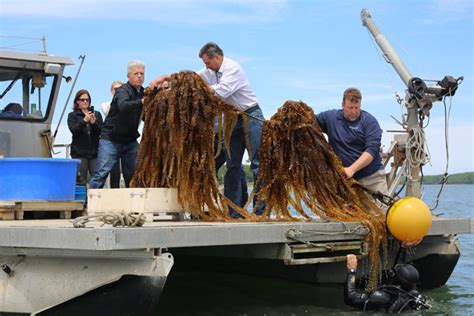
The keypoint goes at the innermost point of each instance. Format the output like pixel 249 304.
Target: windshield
pixel 25 94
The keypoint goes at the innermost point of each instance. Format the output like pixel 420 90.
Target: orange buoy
pixel 409 219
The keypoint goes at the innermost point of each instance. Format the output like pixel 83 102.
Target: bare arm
pixel 159 80
pixel 364 160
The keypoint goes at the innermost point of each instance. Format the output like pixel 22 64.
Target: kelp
pixel 177 146
pixel 298 168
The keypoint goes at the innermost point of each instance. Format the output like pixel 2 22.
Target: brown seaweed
pixel 298 168
pixel 298 164
pixel 177 146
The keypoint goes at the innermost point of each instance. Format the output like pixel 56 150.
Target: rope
pixel 444 178
pixel 397 96
pixel 112 218
pixel 30 40
pixel 417 151
pixel 252 117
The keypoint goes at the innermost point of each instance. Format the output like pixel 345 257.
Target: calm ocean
pixel 218 294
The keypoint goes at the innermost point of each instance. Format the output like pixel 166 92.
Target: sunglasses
pixel 83 100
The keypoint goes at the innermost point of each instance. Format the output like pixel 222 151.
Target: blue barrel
pixel 81 193
pixel 25 179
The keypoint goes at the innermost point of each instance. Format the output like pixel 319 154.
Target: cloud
pixel 319 85
pixel 201 12
pixel 441 12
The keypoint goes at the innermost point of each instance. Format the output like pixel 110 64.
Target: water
pixel 219 294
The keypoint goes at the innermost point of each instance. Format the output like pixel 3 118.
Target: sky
pixel 290 50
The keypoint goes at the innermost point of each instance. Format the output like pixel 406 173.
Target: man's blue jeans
pixel 232 183
pixel 220 160
pixel 109 154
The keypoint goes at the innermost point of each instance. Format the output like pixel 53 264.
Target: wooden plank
pixel 7 210
pixel 19 215
pixel 46 206
pixel 7 204
pixel 7 215
pixel 14 210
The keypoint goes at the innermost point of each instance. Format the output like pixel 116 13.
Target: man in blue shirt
pixel 355 136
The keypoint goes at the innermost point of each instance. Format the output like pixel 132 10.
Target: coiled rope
pixel 115 219
pixel 417 151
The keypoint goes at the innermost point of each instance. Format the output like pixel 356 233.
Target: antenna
pixel 82 58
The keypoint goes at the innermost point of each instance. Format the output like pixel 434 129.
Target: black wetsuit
pixel 391 298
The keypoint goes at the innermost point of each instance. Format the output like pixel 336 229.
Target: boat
pixel 50 267
pixel 39 279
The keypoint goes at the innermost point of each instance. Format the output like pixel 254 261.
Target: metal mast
pixel 418 99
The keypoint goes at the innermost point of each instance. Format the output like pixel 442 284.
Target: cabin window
pixel 25 95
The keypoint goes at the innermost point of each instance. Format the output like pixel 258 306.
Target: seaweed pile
pixel 177 146
pixel 298 166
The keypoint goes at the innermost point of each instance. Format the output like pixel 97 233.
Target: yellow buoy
pixel 409 219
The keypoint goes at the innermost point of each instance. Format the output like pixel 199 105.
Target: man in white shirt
pixel 228 81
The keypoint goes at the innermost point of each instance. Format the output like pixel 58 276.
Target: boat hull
pixel 131 295
pixel 435 259
pixel 127 283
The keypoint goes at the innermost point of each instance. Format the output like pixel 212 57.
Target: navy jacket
pixel 350 139
pixel 121 124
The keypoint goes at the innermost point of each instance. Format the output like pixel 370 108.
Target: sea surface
pixel 223 294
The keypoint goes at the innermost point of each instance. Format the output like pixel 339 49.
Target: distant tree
pixel 456 178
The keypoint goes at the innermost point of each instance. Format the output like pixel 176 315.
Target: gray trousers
pixel 376 182
pixel 87 168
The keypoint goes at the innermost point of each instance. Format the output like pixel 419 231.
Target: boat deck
pixel 60 233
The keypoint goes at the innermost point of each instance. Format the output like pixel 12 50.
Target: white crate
pixel 151 201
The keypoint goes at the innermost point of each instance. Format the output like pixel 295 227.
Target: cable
pixel 30 40
pixel 20 37
pixel 397 96
pixel 444 178
pixel 401 189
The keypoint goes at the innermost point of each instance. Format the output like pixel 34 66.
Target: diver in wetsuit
pixel 400 296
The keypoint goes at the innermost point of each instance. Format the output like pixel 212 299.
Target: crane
pixel 419 98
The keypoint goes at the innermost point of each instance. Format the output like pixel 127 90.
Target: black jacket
pixel 390 298
pixel 85 137
pixel 121 124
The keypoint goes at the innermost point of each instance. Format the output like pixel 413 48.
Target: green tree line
pixel 455 178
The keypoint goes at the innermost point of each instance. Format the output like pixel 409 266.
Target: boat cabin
pixel 29 88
